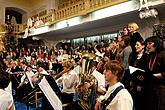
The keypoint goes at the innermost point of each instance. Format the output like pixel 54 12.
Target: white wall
pixel 2 17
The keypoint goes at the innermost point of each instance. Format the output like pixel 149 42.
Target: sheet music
pixel 133 69
pixel 30 81
pixel 50 94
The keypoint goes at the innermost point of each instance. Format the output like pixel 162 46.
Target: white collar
pixel 113 87
pixel 44 72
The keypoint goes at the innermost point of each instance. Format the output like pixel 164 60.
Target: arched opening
pixel 14 15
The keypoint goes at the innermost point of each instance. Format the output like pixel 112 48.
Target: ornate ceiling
pixel 25 3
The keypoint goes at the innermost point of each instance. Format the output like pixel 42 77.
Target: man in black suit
pixel 15 77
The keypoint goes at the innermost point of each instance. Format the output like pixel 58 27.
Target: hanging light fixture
pixel 146 12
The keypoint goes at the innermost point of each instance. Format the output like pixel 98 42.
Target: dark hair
pixel 141 41
pixel 4 79
pixel 94 64
pixel 41 64
pixel 116 68
pixel 24 62
pixel 157 43
pixel 29 66
pixel 125 27
pixel 102 40
pixel 126 40
pixel 67 64
pixel 77 60
pixel 2 64
pixel 96 41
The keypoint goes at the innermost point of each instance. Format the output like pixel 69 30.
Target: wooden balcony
pixel 79 8
pixel 2 29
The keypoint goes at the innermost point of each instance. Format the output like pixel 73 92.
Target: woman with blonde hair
pixel 134 36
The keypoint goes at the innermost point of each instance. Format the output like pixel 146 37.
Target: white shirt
pixel 28 59
pixel 6 100
pixel 100 78
pixel 65 57
pixel 69 81
pixel 44 72
pixel 60 58
pixel 77 69
pixel 122 100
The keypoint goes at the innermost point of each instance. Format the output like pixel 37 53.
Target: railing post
pixel 87 5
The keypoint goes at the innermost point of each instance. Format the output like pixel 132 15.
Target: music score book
pixel 50 94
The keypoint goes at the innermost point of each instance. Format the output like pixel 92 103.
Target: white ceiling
pixel 24 3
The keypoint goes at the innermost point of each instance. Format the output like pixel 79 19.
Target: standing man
pixel 113 72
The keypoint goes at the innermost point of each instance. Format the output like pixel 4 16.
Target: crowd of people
pixel 98 68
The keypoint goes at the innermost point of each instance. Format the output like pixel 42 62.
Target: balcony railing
pixel 2 28
pixel 77 9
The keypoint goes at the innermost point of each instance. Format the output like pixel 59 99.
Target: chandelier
pixel 146 12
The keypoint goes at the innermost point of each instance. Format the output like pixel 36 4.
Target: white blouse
pixel 6 100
